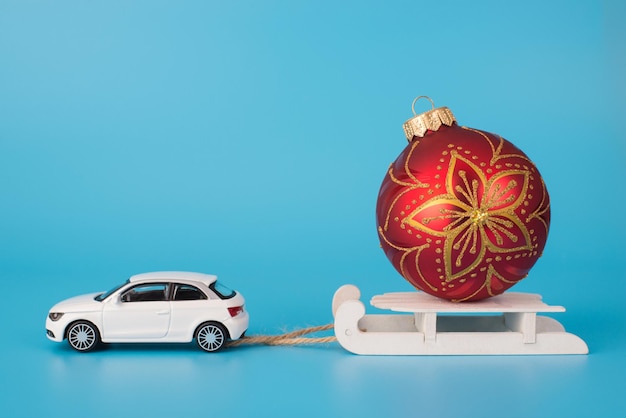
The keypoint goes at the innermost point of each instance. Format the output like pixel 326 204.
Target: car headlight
pixel 55 316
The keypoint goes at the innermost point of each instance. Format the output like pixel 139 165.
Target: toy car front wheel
pixel 211 336
pixel 83 336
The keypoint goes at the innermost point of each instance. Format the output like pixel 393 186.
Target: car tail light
pixel 235 310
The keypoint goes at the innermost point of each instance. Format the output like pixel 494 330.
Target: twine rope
pixel 289 338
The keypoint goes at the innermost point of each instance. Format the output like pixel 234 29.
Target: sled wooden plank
pixel 423 302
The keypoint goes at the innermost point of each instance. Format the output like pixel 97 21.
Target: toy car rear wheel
pixel 211 336
pixel 83 336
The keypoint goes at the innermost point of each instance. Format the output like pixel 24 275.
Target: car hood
pixel 80 303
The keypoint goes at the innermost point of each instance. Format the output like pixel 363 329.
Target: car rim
pixel 82 336
pixel 210 338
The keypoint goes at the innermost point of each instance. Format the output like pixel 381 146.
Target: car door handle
pixel 163 312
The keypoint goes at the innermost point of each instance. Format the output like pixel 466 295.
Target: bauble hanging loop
pixel 462 214
pixel 432 103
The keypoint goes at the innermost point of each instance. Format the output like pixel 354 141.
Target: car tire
pixel 211 336
pixel 83 336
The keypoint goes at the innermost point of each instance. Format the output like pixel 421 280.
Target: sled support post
pixel 524 322
pixel 426 322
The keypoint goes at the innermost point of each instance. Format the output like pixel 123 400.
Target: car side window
pixel 150 292
pixel 187 292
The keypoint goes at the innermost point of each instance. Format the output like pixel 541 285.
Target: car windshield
pixel 223 292
pixel 105 295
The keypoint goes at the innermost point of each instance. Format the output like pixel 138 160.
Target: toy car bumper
pixel 54 330
pixel 237 325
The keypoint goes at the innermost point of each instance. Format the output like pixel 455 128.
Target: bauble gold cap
pixel 431 120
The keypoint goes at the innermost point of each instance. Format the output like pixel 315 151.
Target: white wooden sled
pixel 509 324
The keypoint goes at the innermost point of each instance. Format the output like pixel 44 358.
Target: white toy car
pixel 152 307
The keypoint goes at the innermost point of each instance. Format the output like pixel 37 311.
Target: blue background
pixel 248 139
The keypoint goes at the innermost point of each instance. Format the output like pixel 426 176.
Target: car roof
pixel 207 279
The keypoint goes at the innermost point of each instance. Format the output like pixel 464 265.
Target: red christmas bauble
pixel 462 214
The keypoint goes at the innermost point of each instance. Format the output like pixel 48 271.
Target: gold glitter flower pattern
pixel 474 215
